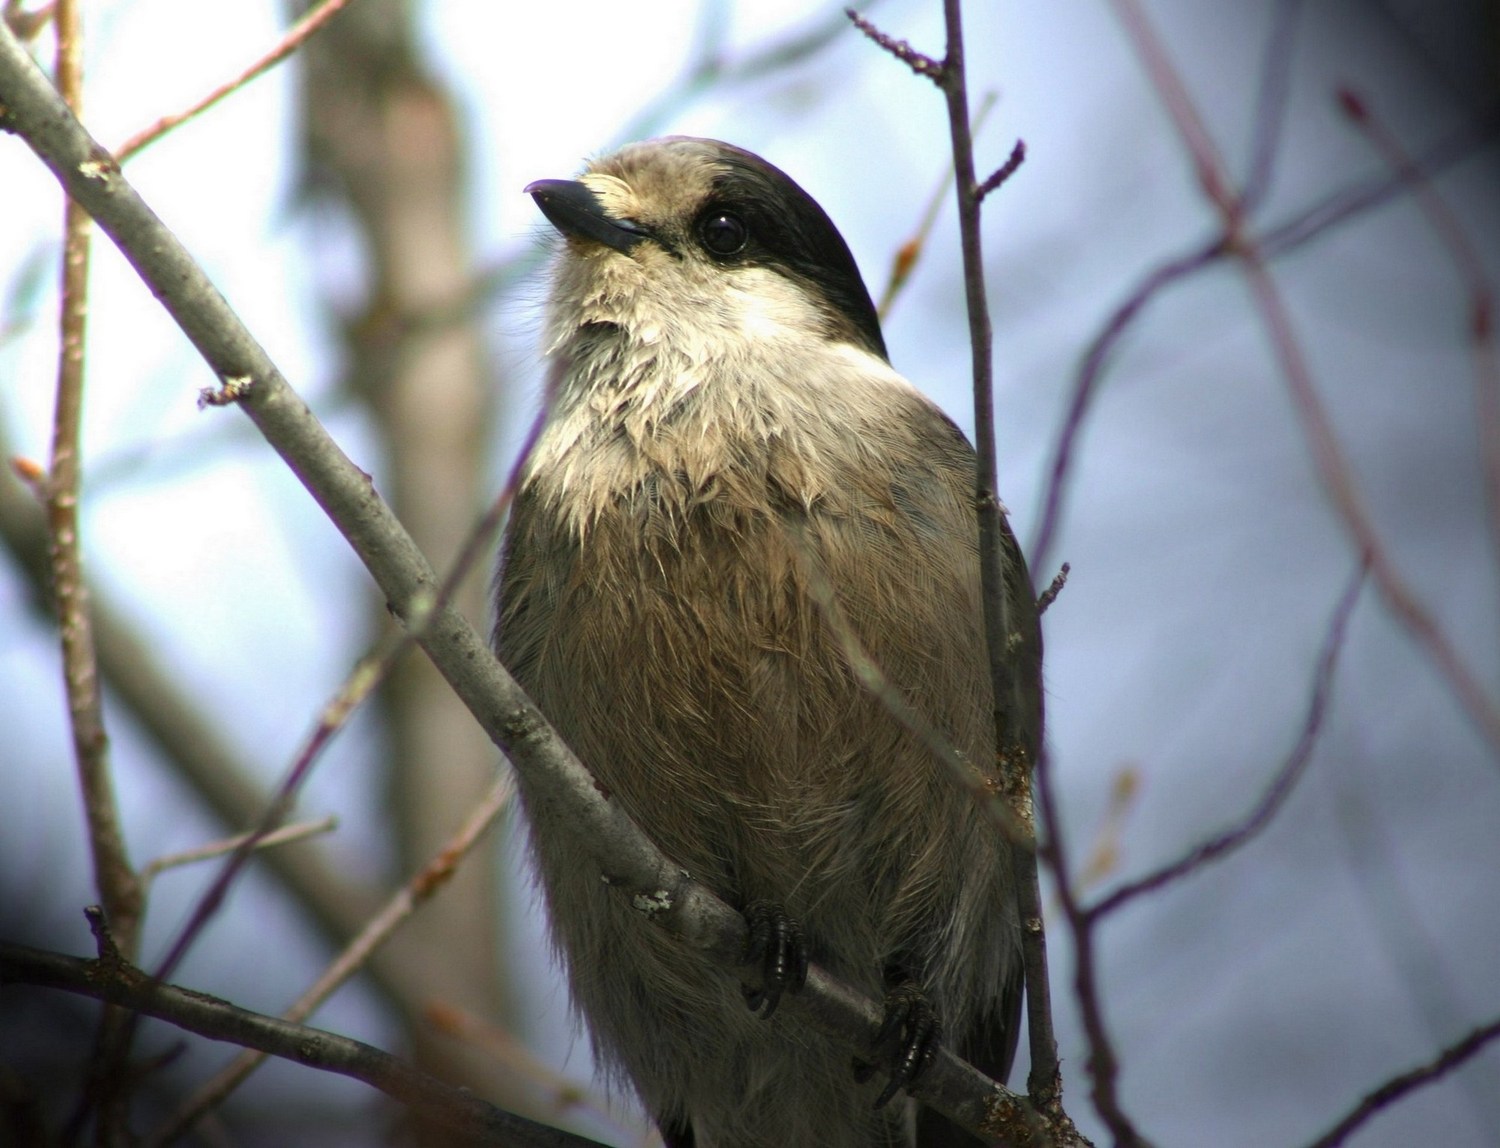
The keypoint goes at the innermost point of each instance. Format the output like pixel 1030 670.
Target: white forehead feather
pixel 655 179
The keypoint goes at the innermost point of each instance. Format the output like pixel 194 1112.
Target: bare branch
pixel 1270 103
pixel 1280 239
pixel 1045 1082
pixel 1049 595
pixel 1004 171
pixel 1090 375
pixel 422 885
pixel 289 43
pixel 1397 1087
pixel 112 979
pixel 118 886
pixel 1208 165
pixel 283 836
pixel 1327 213
pixel 920 64
pixel 355 690
pixel 1282 783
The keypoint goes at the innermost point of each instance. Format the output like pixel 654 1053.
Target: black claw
pixel 905 1045
pixel 775 942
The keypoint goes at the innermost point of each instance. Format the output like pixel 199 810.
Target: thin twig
pixel 418 889
pixel 1045 599
pixel 283 836
pixel 471 1120
pixel 1208 164
pixel 1291 234
pixel 1002 173
pixel 1323 216
pixel 1089 378
pixel 921 64
pixel 1379 1099
pixel 289 43
pixel 1338 480
pixel 1045 1081
pixel 1282 782
pixel 1456 240
pixel 1270 103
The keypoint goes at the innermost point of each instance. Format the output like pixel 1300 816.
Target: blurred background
pixel 360 207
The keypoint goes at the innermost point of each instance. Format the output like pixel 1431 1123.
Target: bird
pixel 733 499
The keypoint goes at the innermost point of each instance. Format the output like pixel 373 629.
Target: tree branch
pixel 113 876
pixel 289 43
pixel 1045 1083
pixel 356 955
pixel 113 980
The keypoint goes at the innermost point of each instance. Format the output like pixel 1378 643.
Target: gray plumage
pixel 725 446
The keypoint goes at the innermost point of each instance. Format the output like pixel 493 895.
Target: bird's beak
pixel 576 211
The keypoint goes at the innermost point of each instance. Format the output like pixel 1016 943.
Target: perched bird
pixel 734 495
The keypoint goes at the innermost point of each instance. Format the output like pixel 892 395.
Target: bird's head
pixel 699 249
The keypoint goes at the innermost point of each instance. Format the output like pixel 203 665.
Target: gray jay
pixel 734 493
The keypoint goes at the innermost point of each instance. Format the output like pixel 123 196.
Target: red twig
pixel 289 43
pixel 1278 240
pixel 919 63
pixel 1270 103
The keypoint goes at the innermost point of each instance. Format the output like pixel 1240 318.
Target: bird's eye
pixel 723 233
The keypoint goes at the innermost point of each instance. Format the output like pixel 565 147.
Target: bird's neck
pixel 628 413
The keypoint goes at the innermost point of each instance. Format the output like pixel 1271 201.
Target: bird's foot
pixel 906 1043
pixel 775 944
